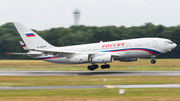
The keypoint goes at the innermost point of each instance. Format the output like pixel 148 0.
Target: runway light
pixel 121 91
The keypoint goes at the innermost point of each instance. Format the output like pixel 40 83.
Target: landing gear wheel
pixel 105 66
pixel 96 66
pixel 90 68
pixel 153 61
pixel 93 67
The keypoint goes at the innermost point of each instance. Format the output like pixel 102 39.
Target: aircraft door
pixel 128 53
pixel 154 43
pixel 128 46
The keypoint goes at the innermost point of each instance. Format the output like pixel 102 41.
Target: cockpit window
pixel 169 42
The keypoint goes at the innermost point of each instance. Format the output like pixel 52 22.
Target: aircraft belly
pixel 136 54
pixel 62 61
pixel 142 54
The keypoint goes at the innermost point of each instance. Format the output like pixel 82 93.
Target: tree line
pixel 74 35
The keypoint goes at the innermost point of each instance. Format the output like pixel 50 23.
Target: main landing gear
pixel 106 66
pixel 94 66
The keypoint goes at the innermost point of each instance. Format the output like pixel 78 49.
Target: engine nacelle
pixel 129 60
pixel 102 59
pixel 80 58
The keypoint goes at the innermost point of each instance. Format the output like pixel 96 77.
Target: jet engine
pixel 102 59
pixel 129 60
pixel 80 58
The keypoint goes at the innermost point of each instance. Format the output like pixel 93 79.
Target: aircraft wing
pixel 55 52
pixel 59 52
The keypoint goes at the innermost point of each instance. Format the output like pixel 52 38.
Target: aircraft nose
pixel 175 45
pixel 172 46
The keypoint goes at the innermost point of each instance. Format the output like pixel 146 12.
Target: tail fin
pixel 31 39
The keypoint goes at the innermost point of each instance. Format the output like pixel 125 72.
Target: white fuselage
pixel 103 52
pixel 121 49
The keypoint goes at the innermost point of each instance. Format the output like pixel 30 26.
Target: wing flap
pixel 55 51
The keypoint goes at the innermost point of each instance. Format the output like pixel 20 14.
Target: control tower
pixel 76 17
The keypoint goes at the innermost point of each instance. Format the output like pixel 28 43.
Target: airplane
pixel 103 52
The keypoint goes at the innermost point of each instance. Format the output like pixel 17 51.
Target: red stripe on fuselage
pixel 136 49
pixel 47 58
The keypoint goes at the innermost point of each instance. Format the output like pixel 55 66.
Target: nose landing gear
pixel 153 61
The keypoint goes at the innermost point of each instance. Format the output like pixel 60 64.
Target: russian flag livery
pixel 23 45
pixel 153 52
pixel 44 58
pixel 30 35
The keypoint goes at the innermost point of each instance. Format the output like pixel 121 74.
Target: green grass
pixel 93 92
pixel 141 65
pixel 139 94
pixel 85 80
pixel 128 68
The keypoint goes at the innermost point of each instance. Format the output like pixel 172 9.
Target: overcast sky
pixel 46 14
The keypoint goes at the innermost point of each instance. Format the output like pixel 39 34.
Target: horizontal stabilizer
pixel 25 53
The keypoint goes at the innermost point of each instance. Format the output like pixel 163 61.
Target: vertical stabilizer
pixel 31 39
